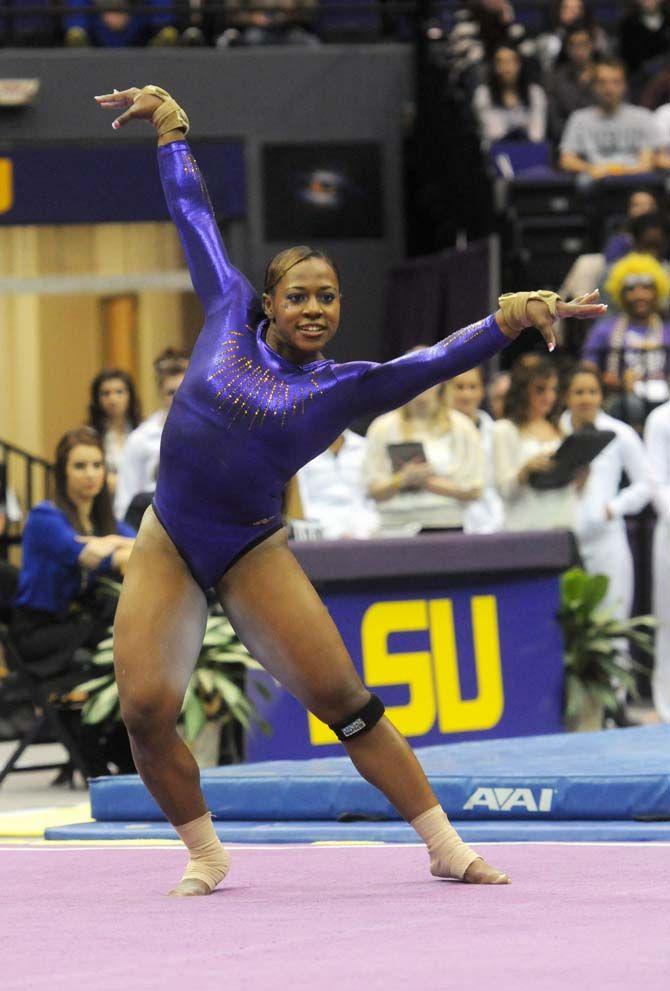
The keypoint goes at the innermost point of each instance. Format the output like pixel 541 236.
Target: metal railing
pixel 25 480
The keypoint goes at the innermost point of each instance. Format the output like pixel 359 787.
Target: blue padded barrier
pixel 615 774
pixel 385 832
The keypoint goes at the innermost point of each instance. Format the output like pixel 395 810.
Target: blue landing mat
pixel 385 832
pixel 614 774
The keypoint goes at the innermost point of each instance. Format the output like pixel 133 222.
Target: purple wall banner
pixel 469 660
pixel 91 184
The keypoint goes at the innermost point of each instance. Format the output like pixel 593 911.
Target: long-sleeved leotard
pixel 246 419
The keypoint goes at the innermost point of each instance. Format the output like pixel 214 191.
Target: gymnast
pixel 257 403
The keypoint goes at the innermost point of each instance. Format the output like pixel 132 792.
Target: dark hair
pixel 96 414
pixel 286 259
pixel 612 63
pixel 171 361
pixel 583 368
pixel 102 516
pixel 586 20
pixel 523 81
pixel 523 376
pixel 579 27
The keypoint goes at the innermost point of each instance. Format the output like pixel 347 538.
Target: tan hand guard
pixel 513 306
pixel 169 116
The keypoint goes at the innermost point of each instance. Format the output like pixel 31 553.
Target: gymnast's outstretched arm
pixel 381 387
pixel 216 281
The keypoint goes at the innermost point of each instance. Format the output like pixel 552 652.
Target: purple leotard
pixel 246 419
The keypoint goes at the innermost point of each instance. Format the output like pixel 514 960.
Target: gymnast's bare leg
pixel 279 616
pixel 159 628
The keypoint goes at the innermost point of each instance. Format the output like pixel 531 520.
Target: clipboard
pixel 577 450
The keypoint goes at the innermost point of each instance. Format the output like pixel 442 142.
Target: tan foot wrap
pixel 209 861
pixel 169 116
pixel 513 306
pixel 449 855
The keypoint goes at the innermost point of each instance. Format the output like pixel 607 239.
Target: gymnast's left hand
pixel 124 99
pixel 516 313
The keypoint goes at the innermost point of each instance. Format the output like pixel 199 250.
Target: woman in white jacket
pixel 601 504
pixel 465 393
pixel 524 443
pixel 657 441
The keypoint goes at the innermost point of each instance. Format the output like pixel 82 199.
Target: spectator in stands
pixel 612 137
pixel 480 27
pixel 632 348
pixel 640 203
pixel 569 85
pixel 644 33
pixel 657 443
pixel 423 465
pixel 289 22
pixel 66 545
pixel 139 461
pixel 119 27
pixel 332 491
pixel 114 411
pixel 465 393
pixel 566 16
pixel 602 504
pixel 508 106
pixel 523 444
pixel 496 391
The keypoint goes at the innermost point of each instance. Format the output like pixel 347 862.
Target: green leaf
pixel 103 657
pixel 572 586
pixel 206 679
pixel 89 686
pixel 101 705
pixel 575 696
pixel 194 718
pixel 604 695
pixel 595 590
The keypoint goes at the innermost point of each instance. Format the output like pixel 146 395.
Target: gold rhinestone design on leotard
pixel 249 393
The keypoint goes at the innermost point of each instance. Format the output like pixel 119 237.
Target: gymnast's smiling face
pixel 304 310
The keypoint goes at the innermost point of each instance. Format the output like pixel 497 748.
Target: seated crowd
pixel 597 93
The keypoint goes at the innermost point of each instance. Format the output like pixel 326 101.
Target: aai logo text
pixel 511 799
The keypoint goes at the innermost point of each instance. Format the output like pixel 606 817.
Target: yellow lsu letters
pixel 432 676
pixel 6 185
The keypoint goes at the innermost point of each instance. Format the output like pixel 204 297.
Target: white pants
pixel 608 553
pixel 660 682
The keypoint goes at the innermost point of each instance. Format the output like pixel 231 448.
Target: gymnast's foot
pixel 479 872
pixel 209 861
pixel 189 886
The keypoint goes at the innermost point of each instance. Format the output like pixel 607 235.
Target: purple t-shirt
pixel 617 350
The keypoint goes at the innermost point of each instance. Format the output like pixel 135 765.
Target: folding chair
pixel 48 725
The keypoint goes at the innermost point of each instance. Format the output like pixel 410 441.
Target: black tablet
pixel 400 454
pixel 576 451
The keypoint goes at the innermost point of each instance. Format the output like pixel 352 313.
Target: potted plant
pixel 593 650
pixel 214 700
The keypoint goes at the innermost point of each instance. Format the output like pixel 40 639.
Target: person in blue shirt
pixel 67 544
pixel 125 24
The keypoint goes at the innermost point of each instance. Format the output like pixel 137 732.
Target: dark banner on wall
pixel 89 184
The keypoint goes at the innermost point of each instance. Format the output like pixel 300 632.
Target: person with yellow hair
pixel 632 348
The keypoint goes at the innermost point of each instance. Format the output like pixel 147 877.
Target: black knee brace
pixel 361 721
